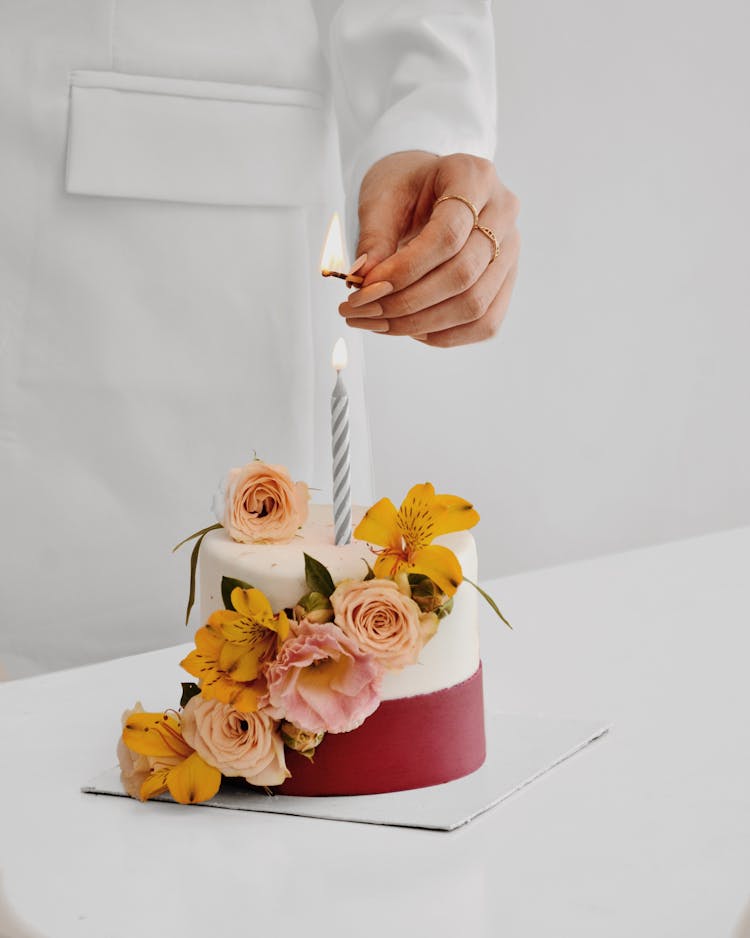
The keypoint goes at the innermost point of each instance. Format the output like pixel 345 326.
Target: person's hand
pixel 429 273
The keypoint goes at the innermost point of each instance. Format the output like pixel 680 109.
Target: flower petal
pixel 440 565
pixel 416 517
pixel 154 784
pixel 245 698
pixel 242 697
pixel 193 780
pixel 154 734
pixel 195 664
pixel 251 603
pixel 222 617
pixel 379 525
pixel 208 640
pixel 453 514
pixel 387 565
pixel 281 626
pixel 241 662
pixel 423 493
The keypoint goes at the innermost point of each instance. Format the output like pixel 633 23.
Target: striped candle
pixel 342 490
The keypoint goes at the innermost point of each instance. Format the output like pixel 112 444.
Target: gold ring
pixel 489 233
pixel 470 205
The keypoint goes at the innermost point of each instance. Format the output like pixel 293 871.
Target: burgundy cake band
pixel 411 742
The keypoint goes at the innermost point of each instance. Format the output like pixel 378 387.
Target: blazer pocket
pixel 141 137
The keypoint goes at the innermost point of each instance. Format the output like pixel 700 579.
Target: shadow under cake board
pixel 520 749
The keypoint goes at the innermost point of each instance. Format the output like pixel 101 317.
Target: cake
pixel 440 695
pixel 321 669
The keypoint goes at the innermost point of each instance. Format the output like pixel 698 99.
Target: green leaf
pixel 228 583
pixel 489 599
pixel 370 572
pixel 318 578
pixel 189 690
pixel 193 567
pixel 202 533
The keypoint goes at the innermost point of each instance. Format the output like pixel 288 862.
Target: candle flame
pixel 340 357
pixel 333 256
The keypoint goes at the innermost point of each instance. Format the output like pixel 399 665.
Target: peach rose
pixel 383 620
pixel 245 745
pixel 263 505
pixel 134 767
pixel 321 681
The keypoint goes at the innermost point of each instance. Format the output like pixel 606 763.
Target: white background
pixel 611 411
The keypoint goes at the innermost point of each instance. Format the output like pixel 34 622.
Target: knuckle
pixel 408 270
pixel 368 241
pixel 457 161
pixel 513 203
pixel 487 328
pixel 465 168
pixel 475 305
pixel 398 270
pixel 406 305
pixel 465 272
pixel 451 239
pixel 486 170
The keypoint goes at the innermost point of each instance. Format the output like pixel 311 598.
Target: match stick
pixel 352 280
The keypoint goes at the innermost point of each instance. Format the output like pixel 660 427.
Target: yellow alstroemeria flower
pixel 159 735
pixel 232 648
pixel 405 536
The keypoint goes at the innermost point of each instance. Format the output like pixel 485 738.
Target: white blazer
pixel 167 170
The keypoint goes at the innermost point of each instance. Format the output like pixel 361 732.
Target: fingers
pixel 453 278
pixel 371 325
pixel 388 195
pixel 448 227
pixel 444 285
pixel 450 279
pixel 483 328
pixel 461 308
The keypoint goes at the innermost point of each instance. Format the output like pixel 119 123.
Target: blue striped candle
pixel 342 488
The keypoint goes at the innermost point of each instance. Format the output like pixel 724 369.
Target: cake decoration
pixel 281 688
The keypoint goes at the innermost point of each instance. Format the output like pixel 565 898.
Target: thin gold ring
pixel 489 233
pixel 467 202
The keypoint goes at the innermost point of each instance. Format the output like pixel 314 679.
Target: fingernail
pixel 372 325
pixel 370 310
pixel 357 264
pixel 374 291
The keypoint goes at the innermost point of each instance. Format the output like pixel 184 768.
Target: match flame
pixel 340 356
pixel 333 257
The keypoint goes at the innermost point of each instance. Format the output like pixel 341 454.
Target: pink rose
pixel 383 621
pixel 262 504
pixel 135 767
pixel 322 682
pixel 237 744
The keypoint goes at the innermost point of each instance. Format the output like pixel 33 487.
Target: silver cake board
pixel 520 749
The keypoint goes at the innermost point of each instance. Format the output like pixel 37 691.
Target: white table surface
pixel 645 834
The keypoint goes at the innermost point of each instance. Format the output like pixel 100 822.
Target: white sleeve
pixel 408 75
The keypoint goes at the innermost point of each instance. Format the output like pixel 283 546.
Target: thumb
pixel 379 232
pixel 389 197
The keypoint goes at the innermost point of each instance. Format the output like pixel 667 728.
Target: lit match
pixel 333 260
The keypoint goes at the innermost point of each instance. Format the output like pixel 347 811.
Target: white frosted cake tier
pixel 278 570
